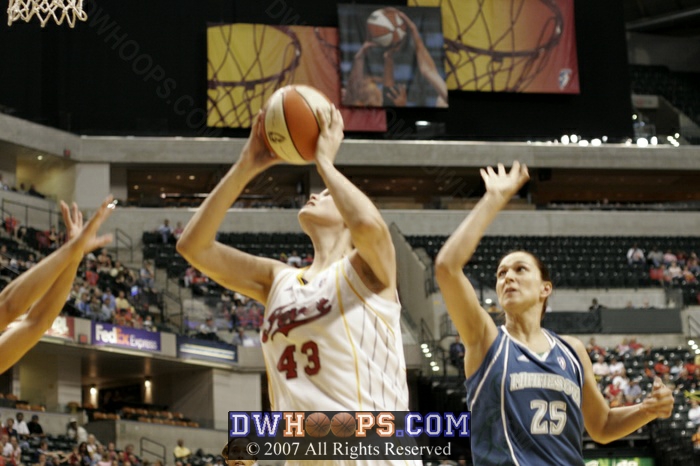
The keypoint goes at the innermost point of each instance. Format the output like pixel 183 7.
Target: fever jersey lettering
pixel 526 408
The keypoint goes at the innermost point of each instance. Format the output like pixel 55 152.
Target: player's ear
pixel 546 289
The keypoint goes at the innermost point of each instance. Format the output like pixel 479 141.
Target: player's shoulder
pixel 576 344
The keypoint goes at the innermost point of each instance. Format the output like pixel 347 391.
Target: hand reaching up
pixel 86 235
pixel 331 135
pixel 504 184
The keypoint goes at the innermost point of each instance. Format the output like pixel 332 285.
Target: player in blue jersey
pixel 531 392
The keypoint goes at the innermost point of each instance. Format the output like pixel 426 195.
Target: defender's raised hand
pixel 86 235
pixel 502 183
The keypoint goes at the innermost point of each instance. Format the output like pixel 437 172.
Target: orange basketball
pixel 343 425
pixel 385 27
pixel 290 125
pixel 317 425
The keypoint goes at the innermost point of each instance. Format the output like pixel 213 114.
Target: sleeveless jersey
pixel 526 409
pixel 333 345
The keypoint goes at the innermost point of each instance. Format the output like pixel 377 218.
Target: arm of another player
pixel 46 299
pixel 475 326
pixel 369 232
pixel 228 266
pixel 605 424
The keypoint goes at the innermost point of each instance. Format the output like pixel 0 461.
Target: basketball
pixel 290 126
pixel 385 27
pixel 343 425
pixel 317 425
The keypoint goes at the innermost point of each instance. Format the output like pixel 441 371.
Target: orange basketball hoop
pixel 45 10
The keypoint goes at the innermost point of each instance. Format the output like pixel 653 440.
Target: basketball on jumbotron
pixel 290 124
pixel 385 27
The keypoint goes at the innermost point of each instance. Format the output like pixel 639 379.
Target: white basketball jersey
pixel 332 344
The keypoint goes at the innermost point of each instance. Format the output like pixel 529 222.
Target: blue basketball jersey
pixel 526 408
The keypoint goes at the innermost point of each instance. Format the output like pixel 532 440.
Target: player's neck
pixel 526 328
pixel 330 245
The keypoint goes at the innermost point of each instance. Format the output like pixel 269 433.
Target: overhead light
pixel 565 139
pixel 40 157
pixel 428 355
pixel 177 177
pixel 93 390
pixel 425 345
pixel 642 142
pixel 596 142
pixel 192 177
pixel 433 363
pixel 691 342
pixel 136 186
pixel 634 116
pixel 654 140
pixel 676 135
pixel 422 123
pixel 147 382
pixel 149 177
pixel 573 138
pixel 436 368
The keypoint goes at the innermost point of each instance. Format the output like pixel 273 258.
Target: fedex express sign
pixel 125 337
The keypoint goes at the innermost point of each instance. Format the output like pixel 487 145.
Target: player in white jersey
pixel 528 389
pixel 331 335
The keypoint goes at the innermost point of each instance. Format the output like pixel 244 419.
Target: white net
pixel 45 10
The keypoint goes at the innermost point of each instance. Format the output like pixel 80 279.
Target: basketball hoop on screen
pixel 46 10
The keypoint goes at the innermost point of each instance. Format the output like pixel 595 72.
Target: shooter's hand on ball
pixel 330 138
pixel 255 155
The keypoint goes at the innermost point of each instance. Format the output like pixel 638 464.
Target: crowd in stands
pixel 666 268
pixel 27 443
pixel 104 289
pixel 99 278
pixel 22 189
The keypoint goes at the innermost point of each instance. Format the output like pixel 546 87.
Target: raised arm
pixel 605 424
pixel 228 266
pixel 426 65
pixel 369 232
pixel 361 89
pixel 44 288
pixel 475 326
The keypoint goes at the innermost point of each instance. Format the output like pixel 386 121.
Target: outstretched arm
pixel 369 232
pixel 426 65
pixel 605 424
pixel 475 326
pixel 361 89
pixel 228 266
pixel 44 287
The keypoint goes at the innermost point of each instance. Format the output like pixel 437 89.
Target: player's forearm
pixel 15 342
pixel 622 422
pixel 42 313
pixel 388 80
pixel 26 289
pixel 355 207
pixel 460 246
pixel 427 68
pixel 201 230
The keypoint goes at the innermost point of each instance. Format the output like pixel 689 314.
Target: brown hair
pixel 544 272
